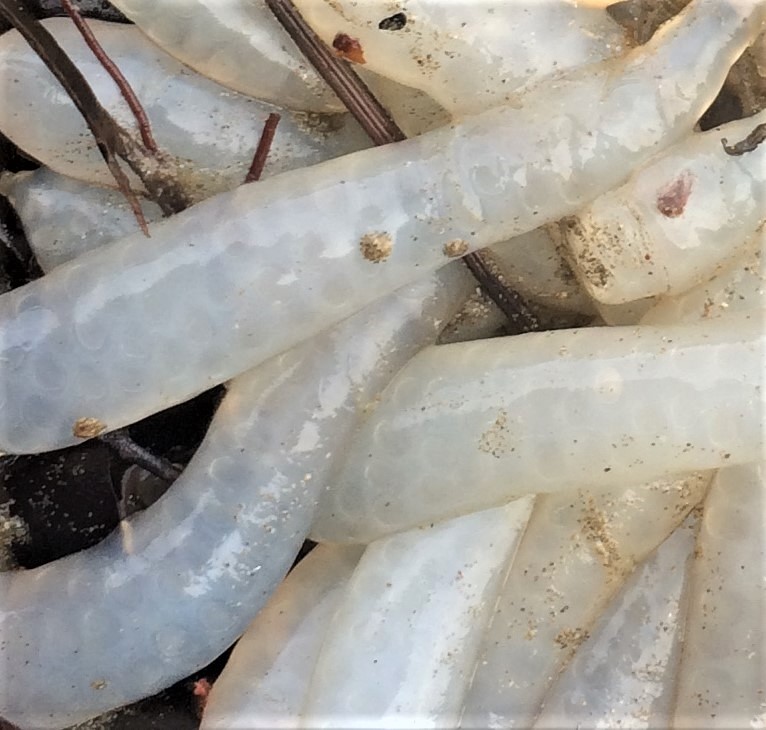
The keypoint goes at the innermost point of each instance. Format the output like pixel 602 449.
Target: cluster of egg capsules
pixel 627 591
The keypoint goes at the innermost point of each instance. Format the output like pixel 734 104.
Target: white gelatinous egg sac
pixel 562 528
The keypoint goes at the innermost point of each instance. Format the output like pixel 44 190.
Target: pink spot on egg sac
pixel 672 199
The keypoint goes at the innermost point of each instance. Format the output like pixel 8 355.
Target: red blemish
pixel 348 48
pixel 201 689
pixel 672 199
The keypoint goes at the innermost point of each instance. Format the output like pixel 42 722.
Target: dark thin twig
pixel 511 303
pixel 124 185
pixel 97 118
pixel 350 89
pixel 112 69
pixel 748 144
pixel 113 141
pixel 382 129
pixel 263 148
pixel 126 448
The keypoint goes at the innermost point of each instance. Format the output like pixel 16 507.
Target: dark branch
pixel 748 144
pixel 126 448
pixel 350 89
pixel 511 303
pixel 113 140
pixel 97 118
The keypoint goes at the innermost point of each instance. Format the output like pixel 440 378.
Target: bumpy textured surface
pixel 721 683
pixel 548 412
pixel 210 132
pixel 143 323
pixel 265 681
pixel 402 646
pixel 93 215
pixel 678 219
pixel 226 40
pixel 624 675
pixel 138 326
pixel 177 584
pixel 576 553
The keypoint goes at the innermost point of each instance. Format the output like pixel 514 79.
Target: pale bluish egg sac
pixel 555 529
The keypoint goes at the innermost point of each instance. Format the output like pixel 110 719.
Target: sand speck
pixel 88 428
pixel 376 247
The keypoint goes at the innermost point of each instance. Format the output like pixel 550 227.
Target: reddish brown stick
pixel 112 69
pixel 350 89
pixel 262 150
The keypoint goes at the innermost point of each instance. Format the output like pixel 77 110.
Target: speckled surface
pixel 547 412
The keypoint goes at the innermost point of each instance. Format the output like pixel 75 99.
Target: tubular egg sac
pixel 556 529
